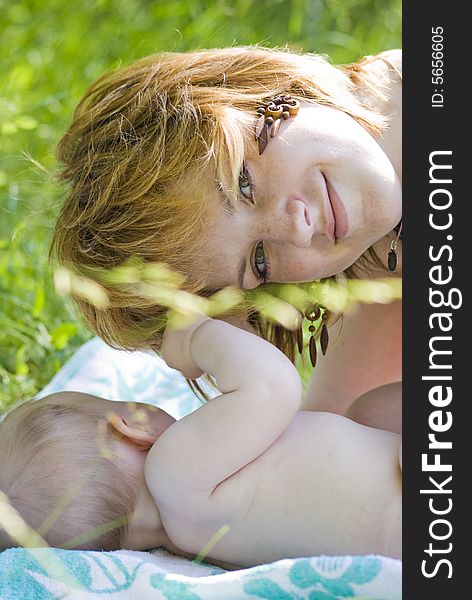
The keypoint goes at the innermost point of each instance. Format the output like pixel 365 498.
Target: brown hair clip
pixel 271 113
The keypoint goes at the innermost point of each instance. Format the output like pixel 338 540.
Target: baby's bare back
pixel 327 485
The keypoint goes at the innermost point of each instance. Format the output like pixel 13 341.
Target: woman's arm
pixel 365 352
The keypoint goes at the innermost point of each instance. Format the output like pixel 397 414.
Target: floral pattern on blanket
pixel 50 574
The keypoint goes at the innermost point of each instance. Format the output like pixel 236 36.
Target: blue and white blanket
pixel 50 573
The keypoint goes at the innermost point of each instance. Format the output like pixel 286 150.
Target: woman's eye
pixel 261 266
pixel 245 184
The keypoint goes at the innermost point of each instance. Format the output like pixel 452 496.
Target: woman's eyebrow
pixel 241 272
pixel 226 200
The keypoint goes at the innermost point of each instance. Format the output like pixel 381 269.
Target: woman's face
pixel 322 192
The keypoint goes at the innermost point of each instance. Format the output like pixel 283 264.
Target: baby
pixel 248 478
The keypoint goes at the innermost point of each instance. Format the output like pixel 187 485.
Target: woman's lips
pixel 330 227
pixel 336 215
pixel 306 214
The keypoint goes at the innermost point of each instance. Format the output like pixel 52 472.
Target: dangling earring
pixel 324 336
pixel 313 314
pixel 300 338
pixel 392 258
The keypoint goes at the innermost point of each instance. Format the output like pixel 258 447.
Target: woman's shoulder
pixel 394 56
pixel 393 61
pixel 387 65
pixel 384 72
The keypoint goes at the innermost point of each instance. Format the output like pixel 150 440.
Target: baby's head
pixel 73 468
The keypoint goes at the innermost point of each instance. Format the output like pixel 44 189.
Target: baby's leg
pixel 380 408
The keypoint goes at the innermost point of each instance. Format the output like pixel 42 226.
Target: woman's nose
pixel 289 221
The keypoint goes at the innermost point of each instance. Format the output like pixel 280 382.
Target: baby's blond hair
pixel 60 473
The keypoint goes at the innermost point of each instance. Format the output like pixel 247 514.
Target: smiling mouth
pixel 330 228
pixel 338 212
pixel 307 217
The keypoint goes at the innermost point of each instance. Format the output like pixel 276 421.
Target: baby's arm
pixel 261 393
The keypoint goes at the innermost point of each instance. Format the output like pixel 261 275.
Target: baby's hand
pixel 175 349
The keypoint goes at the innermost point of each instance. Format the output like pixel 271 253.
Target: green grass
pixel 51 51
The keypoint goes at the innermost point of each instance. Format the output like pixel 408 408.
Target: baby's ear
pixel 140 435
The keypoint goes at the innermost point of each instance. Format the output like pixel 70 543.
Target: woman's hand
pixel 175 349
